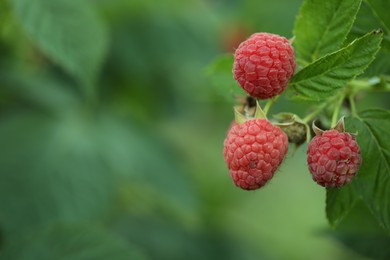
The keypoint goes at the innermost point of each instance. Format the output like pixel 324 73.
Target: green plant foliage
pixel 64 179
pixel 322 26
pixel 68 178
pixel 73 242
pixel 367 21
pixel 69 33
pixel 373 246
pixel 373 182
pixel 327 75
pixel 78 158
pixel 379 9
pixel 40 91
pixel 339 202
pixel 359 231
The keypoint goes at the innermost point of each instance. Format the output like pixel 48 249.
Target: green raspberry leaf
pixel 339 203
pixel 327 75
pixel 360 232
pixel 373 179
pixel 322 26
pixel 366 21
pixel 68 32
pixel 220 75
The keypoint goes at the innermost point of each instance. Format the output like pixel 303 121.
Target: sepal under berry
pixel 243 114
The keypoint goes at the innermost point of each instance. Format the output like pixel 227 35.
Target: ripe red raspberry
pixel 263 65
pixel 253 151
pixel 333 158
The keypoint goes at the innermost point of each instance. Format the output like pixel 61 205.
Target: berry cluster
pixel 254 147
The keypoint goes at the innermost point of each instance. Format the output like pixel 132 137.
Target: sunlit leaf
pixel 322 26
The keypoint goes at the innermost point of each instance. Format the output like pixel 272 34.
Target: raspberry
pixel 253 151
pixel 263 65
pixel 333 158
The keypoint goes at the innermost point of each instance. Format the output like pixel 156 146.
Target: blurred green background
pixel 111 143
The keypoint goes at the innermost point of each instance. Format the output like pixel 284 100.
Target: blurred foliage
pixel 111 138
pixel 71 242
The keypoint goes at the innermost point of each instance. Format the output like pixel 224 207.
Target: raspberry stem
pixel 336 101
pixel 352 105
pixel 313 114
pixel 336 111
pixel 371 84
pixel 269 104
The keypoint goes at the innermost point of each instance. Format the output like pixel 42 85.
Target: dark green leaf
pixel 51 171
pixel 38 90
pixel 67 32
pixel 373 246
pixel 322 26
pixel 380 66
pixel 373 179
pixel 381 8
pixel 70 242
pixel 221 77
pixel 339 202
pixel 365 22
pixel 67 167
pixel 327 75
pixel 360 232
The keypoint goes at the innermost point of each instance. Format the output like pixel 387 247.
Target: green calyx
pixel 246 111
pixel 340 127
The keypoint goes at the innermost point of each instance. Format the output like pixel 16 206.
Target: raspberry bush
pixel 340 58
